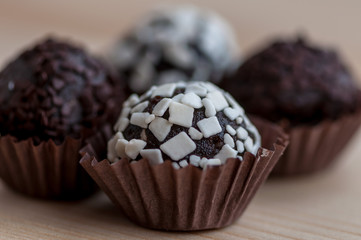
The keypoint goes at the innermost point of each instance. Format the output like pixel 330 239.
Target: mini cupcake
pixel 52 97
pixel 184 157
pixel 173 44
pixel 307 90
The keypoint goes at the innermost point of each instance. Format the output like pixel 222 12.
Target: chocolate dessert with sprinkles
pixel 181 154
pixel 195 123
pixel 52 97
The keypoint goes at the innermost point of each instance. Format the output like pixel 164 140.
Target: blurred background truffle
pixel 296 81
pixel 174 44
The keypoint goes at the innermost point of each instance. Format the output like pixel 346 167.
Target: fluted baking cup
pixel 47 170
pixel 161 197
pixel 313 148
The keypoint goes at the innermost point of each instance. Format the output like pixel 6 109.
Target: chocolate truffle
pixel 176 44
pixel 187 123
pixel 56 90
pixel 295 81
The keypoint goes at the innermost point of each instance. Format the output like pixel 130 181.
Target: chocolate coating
pixel 295 81
pixel 56 90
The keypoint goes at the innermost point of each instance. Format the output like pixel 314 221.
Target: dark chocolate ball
pixel 176 44
pixel 56 90
pixel 295 81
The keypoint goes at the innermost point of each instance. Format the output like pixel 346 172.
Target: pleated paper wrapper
pixel 313 148
pixel 47 170
pixel 161 197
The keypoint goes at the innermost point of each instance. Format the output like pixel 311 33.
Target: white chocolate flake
pixel 203 162
pixel 248 144
pixel 240 146
pixel 192 100
pixel 183 163
pixel 179 146
pixel 140 107
pixel 165 90
pixel 214 162
pixel 175 165
pixel 161 107
pixel 132 101
pixel 218 100
pixel 210 110
pixel 195 134
pixel 154 156
pixel 133 148
pixel 231 130
pixel 209 126
pixel 160 128
pixel 150 118
pixel 228 140
pixel 178 97
pixel 120 148
pixel 180 114
pixel 121 124
pixel 242 133
pixel 194 160
pixel 197 89
pixel 231 113
pixel 225 153
pixel 239 120
pixel 138 119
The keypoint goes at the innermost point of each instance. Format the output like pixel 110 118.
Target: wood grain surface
pixel 326 205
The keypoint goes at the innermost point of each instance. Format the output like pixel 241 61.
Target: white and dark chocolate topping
pixel 175 44
pixel 187 123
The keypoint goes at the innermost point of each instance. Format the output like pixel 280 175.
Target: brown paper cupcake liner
pixel 47 170
pixel 313 148
pixel 161 197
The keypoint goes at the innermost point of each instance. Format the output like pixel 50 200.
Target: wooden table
pixel 322 206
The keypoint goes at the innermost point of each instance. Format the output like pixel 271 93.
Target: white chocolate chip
pixel 210 110
pixel 140 107
pixel 231 113
pixel 239 120
pixel 209 86
pixel 165 90
pixel 125 112
pixel 209 126
pixel 192 100
pixel 180 114
pixel 248 144
pixel 143 135
pixel 179 146
pixel 175 165
pixel 138 119
pixel 234 103
pixel 195 134
pixel 214 162
pixel 112 155
pixel 242 133
pixel 133 148
pixel 228 140
pixel 160 128
pixel 150 118
pixel 240 146
pixel 197 89
pixel 231 130
pixel 120 148
pixel 203 162
pixel 218 100
pixel 225 153
pixel 183 163
pixel 121 124
pixel 178 98
pixel 154 156
pixel 194 160
pixel 161 107
pixel 132 101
